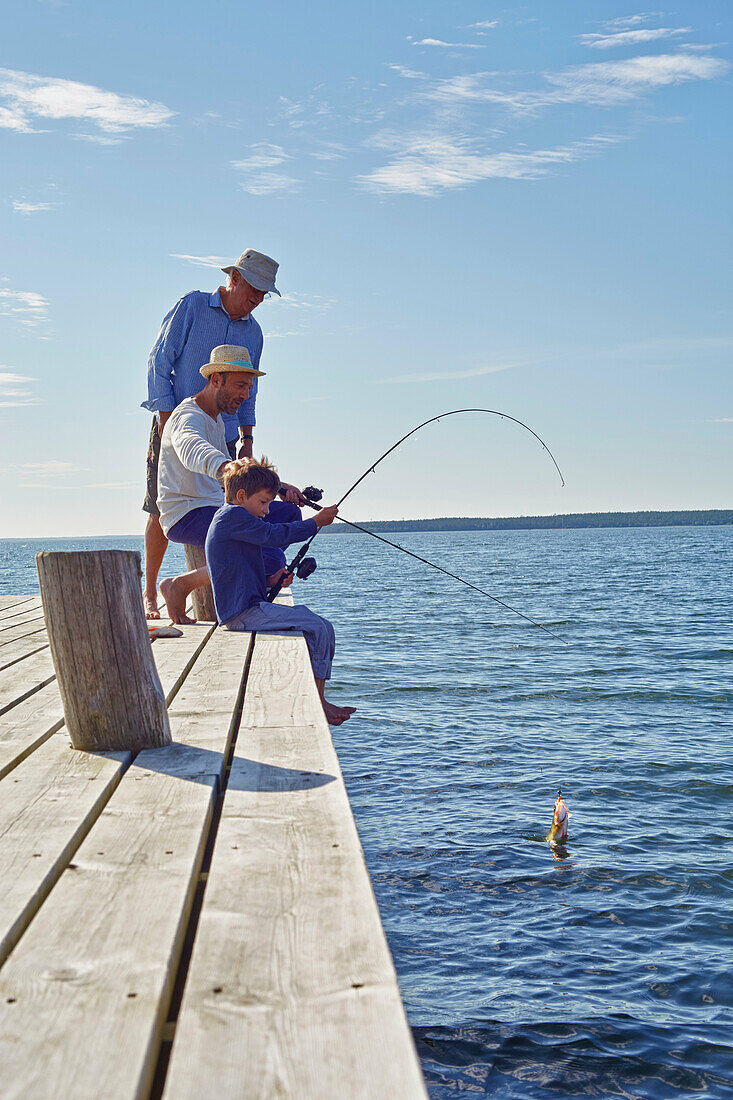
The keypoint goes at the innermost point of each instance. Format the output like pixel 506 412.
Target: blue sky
pixel 522 208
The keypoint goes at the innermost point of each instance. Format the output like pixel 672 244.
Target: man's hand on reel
pixel 291 494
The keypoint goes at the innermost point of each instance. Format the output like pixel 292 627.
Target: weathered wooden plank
pixel 25 615
pixel 105 981
pixel 291 989
pixel 28 725
pixel 24 678
pixel 47 809
pixel 17 651
pixel 19 605
pixel 49 805
pixel 23 630
pixel 7 603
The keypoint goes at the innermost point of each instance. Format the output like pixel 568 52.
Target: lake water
pixel 603 970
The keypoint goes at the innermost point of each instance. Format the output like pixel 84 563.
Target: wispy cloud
pixel 258 176
pixel 441 376
pixel 203 261
pixel 27 307
pixel 305 301
pixel 408 74
pixel 329 150
pixel 14 392
pixel 617 81
pixel 721 420
pixel 429 164
pixel 632 20
pixel 449 45
pixel 98 139
pixel 112 485
pixel 20 207
pixel 483 25
pixel 48 473
pixel 50 468
pixel 299 312
pixel 631 38
pixel 27 97
pixel 602 83
pixel 75 488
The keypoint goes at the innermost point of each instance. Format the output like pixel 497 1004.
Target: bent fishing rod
pixel 304 567
pixel 432 420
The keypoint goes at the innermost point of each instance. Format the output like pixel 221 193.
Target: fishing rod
pixel 303 566
pixel 432 420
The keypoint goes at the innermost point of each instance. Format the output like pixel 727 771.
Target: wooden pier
pixel 195 920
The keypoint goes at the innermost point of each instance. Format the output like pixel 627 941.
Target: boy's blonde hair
pixel 252 476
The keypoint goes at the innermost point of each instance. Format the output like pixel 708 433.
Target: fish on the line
pixel 559 828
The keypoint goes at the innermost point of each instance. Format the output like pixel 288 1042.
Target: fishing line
pixel 455 577
pixel 300 560
pixel 300 556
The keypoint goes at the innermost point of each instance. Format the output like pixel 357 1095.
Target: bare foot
pixel 175 599
pixel 150 603
pixel 335 716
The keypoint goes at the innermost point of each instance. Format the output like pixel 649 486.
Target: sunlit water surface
pixel 600 970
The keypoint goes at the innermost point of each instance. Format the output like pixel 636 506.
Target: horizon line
pixel 431 519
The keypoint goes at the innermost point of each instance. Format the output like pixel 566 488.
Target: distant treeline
pixel 704 518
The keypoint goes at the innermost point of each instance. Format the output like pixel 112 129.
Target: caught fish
pixel 164 632
pixel 559 828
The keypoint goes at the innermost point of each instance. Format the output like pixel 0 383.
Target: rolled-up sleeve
pixel 164 353
pixel 195 452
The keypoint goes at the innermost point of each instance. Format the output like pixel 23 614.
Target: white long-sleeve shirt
pixel 192 449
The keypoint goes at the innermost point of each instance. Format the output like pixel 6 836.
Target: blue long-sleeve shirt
pixel 197 323
pixel 234 556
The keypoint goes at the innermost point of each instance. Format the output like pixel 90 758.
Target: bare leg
pixel 335 716
pixel 176 590
pixel 156 545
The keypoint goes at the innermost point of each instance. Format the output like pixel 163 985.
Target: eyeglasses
pixel 264 295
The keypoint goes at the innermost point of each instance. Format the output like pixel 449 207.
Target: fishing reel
pixel 306 568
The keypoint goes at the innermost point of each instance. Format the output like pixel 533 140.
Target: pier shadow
pixel 207 766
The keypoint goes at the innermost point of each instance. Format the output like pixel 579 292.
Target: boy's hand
pixel 287 578
pixel 326 515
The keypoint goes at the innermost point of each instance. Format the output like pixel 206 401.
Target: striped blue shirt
pixel 197 323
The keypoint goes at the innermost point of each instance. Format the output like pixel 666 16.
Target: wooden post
pixel 110 688
pixel 201 598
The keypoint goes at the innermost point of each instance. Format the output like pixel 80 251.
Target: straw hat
pixel 228 358
pixel 259 271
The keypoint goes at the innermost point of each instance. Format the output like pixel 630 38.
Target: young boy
pixel 234 544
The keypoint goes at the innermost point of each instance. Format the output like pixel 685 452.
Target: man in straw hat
pixel 198 322
pixel 193 458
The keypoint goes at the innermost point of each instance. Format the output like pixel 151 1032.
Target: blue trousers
pixel 275 618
